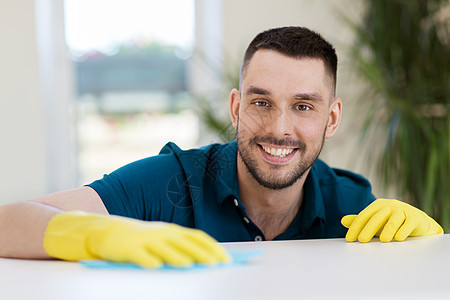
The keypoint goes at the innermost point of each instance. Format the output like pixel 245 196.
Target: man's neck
pixel 271 210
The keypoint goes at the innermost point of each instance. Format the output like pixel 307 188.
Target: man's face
pixel 282 115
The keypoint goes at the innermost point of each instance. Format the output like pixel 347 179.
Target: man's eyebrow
pixel 308 96
pixel 253 90
pixel 256 90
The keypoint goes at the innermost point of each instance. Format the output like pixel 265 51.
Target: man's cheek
pixel 257 118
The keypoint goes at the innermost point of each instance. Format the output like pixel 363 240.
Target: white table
pixel 418 268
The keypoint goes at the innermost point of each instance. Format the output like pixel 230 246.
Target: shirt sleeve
pixel 141 190
pixel 355 192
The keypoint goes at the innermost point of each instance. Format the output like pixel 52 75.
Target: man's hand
pixel 78 236
pixel 388 219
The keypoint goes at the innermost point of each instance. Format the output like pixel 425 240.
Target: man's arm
pixel 42 229
pixel 22 225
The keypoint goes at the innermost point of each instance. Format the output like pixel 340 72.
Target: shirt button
pixel 258 238
pixel 246 220
pixel 236 202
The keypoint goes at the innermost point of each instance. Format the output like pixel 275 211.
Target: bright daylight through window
pixel 130 71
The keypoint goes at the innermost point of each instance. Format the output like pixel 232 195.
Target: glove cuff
pixel 65 238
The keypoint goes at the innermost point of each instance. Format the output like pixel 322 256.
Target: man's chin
pixel 274 177
pixel 277 185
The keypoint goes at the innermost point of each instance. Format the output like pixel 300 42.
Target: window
pixel 130 63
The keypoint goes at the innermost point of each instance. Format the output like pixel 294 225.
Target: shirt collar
pixel 222 172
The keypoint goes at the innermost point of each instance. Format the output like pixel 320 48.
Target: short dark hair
pixel 296 42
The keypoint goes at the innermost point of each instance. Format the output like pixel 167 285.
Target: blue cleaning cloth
pixel 238 257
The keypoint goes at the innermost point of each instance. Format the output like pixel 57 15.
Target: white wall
pixel 27 126
pixel 57 90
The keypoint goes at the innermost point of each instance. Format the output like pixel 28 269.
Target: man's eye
pixel 303 107
pixel 261 103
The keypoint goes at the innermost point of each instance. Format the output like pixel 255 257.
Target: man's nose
pixel 281 123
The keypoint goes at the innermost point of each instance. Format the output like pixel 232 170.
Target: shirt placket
pixel 255 233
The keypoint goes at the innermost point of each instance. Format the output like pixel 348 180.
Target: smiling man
pixel 267 185
pixel 285 110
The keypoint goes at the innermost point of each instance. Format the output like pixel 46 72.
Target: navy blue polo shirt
pixel 198 188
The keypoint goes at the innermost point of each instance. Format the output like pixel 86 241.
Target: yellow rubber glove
pixel 388 219
pixel 77 236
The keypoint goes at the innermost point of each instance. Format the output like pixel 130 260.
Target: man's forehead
pixel 264 55
pixel 269 66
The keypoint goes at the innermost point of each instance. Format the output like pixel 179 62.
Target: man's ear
pixel 334 117
pixel 235 102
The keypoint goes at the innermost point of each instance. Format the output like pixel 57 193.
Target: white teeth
pixel 279 152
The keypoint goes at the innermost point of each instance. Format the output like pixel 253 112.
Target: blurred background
pixel 88 86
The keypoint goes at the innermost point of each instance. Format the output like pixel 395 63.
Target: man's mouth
pixel 277 151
